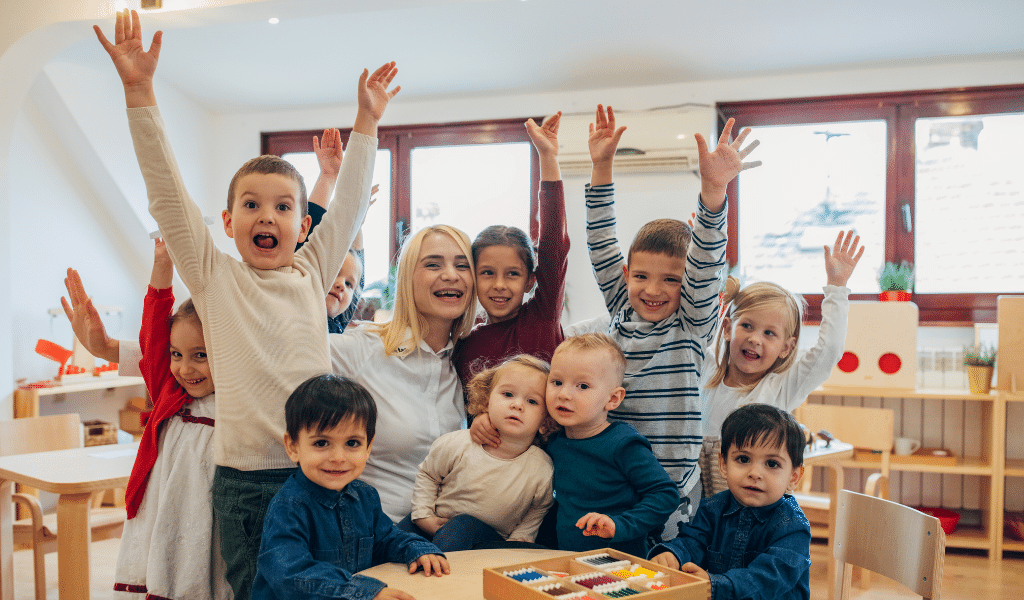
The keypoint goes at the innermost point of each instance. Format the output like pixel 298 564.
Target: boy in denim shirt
pixel 323 526
pixel 751 541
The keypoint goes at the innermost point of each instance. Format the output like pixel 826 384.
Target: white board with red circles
pixel 881 347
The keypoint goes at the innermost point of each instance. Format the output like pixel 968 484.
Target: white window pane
pixel 816 180
pixel 969 204
pixel 377 226
pixel 471 187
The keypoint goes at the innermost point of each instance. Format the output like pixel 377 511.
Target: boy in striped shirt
pixel 663 302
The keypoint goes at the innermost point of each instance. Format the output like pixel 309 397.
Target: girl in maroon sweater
pixel 507 269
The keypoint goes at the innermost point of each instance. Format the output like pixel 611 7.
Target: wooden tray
pixel 558 571
pixel 923 456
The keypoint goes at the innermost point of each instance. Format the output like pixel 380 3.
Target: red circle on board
pixel 849 362
pixel 889 363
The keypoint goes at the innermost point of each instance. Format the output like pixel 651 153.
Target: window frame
pixel 899 110
pixel 400 140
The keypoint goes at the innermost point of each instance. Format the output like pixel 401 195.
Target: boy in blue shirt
pixel 610 490
pixel 323 526
pixel 752 540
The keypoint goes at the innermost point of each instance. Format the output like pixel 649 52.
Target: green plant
pixel 980 355
pixel 896 277
pixel 386 288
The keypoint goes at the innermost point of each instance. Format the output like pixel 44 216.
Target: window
pixel 469 175
pixel 926 177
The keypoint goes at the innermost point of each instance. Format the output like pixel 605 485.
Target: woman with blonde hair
pixel 406 364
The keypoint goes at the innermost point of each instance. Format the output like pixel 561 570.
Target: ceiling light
pixel 680 137
pixel 274 20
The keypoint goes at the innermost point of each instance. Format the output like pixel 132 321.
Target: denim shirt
pixel 749 552
pixel 316 539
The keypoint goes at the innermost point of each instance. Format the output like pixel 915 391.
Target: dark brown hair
pixel 267 164
pixel 662 236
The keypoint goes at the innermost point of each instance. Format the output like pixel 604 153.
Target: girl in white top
pixel 467 493
pixel 755 358
pixel 406 363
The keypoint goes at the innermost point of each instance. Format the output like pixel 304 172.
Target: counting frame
pixel 597 574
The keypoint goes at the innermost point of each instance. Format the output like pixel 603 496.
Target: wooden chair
pixel 867 428
pixel 42 434
pixel 890 539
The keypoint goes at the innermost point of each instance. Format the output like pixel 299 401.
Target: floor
pixel 965 577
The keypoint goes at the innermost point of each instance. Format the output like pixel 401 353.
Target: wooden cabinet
pixel 974 427
pixel 26 400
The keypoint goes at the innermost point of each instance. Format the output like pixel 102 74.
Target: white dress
pixel 163 552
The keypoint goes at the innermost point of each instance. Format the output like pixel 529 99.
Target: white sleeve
pixel 129 353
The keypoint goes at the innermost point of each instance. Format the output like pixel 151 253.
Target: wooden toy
pixel 597 574
pixel 881 347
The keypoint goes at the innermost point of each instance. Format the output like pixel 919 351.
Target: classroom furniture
pixel 831 456
pixel 890 539
pixel 974 427
pixel 74 475
pixel 26 399
pixel 864 428
pixel 465 582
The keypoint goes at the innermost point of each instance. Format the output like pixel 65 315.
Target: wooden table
pixel 465 582
pixel 830 456
pixel 74 475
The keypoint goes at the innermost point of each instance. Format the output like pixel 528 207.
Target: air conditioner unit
pixel 655 140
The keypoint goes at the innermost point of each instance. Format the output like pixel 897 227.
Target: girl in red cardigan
pixel 507 269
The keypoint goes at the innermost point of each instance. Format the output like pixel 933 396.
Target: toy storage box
pixel 552 572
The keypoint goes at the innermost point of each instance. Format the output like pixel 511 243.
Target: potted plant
pixel 896 281
pixel 980 360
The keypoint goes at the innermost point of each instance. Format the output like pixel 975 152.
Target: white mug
pixel 904 446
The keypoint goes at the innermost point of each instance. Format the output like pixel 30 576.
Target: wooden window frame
pixel 899 110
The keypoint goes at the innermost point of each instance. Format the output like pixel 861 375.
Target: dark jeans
pixel 461 532
pixel 240 500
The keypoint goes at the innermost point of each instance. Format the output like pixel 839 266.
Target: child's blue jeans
pixel 461 532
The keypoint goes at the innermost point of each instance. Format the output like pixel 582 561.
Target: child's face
pixel 332 458
pixel 339 297
pixel 655 284
pixel 442 280
pixel 266 220
pixel 582 388
pixel 189 364
pixel 516 404
pixel 759 475
pixel 501 282
pixel 757 338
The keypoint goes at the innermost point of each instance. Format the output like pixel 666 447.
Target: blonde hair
pixel 756 296
pixel 596 341
pixel 406 318
pixel 480 386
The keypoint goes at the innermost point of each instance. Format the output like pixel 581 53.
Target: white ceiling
pixel 231 58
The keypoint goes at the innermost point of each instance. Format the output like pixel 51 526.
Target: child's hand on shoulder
pixel 693 569
pixel 597 524
pixel 483 433
pixel 842 260
pixel 666 559
pixel 432 564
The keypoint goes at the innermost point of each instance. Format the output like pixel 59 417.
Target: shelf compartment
pixel 967 465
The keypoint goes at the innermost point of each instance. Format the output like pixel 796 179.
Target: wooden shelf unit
pixel 979 421
pixel 26 400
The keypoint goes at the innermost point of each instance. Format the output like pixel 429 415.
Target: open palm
pixel 134 64
pixel 373 89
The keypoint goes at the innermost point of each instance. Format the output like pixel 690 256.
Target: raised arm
pixel 374 97
pixel 134 65
pixel 721 166
pixel 329 155
pixel 842 259
pixel 603 141
pixel 545 140
pixel 86 321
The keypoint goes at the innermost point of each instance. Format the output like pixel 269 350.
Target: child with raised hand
pixel 167 548
pixel 610 488
pixel 507 268
pixel 324 525
pixel 466 493
pixel 755 349
pixel 663 301
pixel 752 540
pixel 263 314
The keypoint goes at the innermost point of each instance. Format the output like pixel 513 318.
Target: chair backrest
pixel 890 539
pixel 40 434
